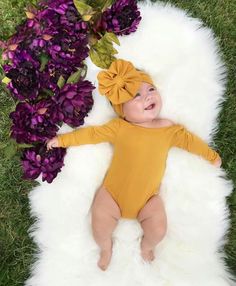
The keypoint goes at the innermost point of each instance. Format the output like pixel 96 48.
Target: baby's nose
pixel 148 97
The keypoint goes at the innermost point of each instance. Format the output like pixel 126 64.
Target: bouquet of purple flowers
pixel 45 71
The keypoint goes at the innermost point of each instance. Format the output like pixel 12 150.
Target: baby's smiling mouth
pixel 151 106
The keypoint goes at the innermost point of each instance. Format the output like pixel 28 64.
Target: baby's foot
pixel 147 252
pixel 148 255
pixel 105 258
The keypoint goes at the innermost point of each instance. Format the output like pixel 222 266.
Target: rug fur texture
pixel 184 60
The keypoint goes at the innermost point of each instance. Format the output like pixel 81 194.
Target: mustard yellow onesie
pixel 139 157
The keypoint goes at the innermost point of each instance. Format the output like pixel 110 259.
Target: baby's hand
pixel 52 143
pixel 218 162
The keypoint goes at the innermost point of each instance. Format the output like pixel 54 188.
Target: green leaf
pixel 74 77
pixel 82 7
pixel 44 60
pixel 24 145
pixel 95 58
pixel 84 71
pixel 112 37
pixel 86 17
pixel 92 39
pixel 102 52
pixel 48 91
pixel 100 60
pixel 61 81
pixel 6 80
pixel 101 4
pixel 106 4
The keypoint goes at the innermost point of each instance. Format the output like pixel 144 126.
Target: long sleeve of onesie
pixel 90 135
pixel 184 139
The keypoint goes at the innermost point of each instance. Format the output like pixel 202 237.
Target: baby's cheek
pixel 134 111
pixel 127 109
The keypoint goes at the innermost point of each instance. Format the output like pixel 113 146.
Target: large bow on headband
pixel 121 82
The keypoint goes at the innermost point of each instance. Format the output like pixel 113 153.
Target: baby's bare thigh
pixel 153 207
pixel 104 202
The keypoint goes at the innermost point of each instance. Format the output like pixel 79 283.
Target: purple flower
pixel 69 15
pixel 61 14
pixel 37 160
pixel 73 102
pixel 53 42
pixel 67 36
pixel 48 80
pixel 122 18
pixel 35 34
pixel 18 41
pixel 68 49
pixel 25 83
pixel 53 3
pixel 32 123
pixel 54 70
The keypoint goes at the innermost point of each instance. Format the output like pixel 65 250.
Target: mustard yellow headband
pixel 120 83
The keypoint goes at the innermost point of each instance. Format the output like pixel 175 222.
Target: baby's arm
pixel 87 135
pixel 184 139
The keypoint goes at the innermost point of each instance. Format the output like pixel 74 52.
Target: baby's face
pixel 135 110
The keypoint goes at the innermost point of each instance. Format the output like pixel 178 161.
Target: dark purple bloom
pixel 24 75
pixel 18 41
pixel 61 14
pixel 48 21
pixel 32 122
pixel 67 38
pixel 69 48
pixel 25 55
pixel 53 42
pixel 48 80
pixel 30 36
pixel 37 160
pixel 69 15
pixel 27 82
pixel 73 102
pixel 53 3
pixel 35 34
pixel 122 18
pixel 54 70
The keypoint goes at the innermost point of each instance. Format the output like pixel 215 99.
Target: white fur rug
pixel 183 59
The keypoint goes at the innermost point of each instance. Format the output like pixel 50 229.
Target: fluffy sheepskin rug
pixel 183 58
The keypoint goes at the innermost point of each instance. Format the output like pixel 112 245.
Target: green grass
pixel 16 248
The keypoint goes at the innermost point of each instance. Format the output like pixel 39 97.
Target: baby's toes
pixel 152 256
pixel 105 257
pixel 148 255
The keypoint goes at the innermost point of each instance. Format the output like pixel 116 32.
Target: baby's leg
pixel 105 215
pixel 153 220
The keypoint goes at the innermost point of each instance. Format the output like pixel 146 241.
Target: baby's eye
pixel 152 88
pixel 137 94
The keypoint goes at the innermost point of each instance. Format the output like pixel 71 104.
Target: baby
pixel 141 142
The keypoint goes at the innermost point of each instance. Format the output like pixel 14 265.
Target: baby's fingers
pixel 218 162
pixel 52 143
pixel 49 145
